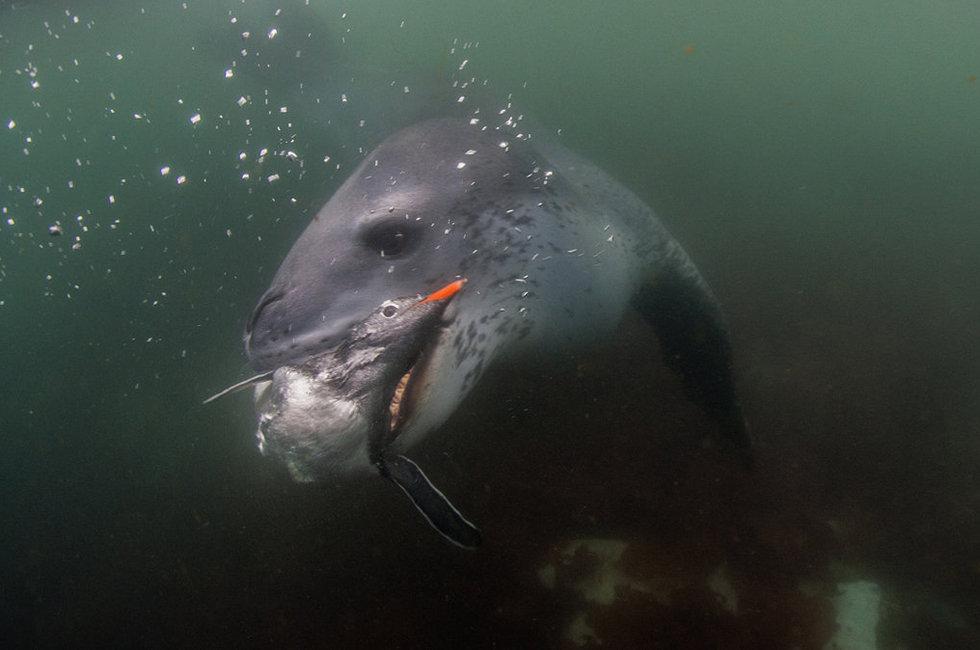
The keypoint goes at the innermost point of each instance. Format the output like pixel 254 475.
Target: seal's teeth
pixel 394 408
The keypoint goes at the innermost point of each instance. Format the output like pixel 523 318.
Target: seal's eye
pixel 390 239
pixel 389 311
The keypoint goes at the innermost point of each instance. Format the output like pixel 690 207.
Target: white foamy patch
pixel 580 632
pixel 719 583
pixel 858 610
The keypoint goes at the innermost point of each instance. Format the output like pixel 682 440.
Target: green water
pixel 820 161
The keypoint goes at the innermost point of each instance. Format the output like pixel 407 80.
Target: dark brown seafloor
pixel 860 382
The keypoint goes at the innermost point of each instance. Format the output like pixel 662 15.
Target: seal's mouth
pixel 397 415
pixel 405 395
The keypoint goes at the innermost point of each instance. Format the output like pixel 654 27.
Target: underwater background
pixel 820 162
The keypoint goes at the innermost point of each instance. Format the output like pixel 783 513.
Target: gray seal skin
pixel 554 250
pixel 336 412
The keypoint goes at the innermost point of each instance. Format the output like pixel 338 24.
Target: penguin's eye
pixel 389 310
pixel 389 239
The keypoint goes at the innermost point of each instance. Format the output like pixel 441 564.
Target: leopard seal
pixel 554 250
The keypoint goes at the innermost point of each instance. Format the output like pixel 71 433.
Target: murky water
pixel 821 164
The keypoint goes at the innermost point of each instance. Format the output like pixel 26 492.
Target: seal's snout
pixel 292 324
pixel 268 299
pixel 260 330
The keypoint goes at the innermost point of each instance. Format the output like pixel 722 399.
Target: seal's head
pixel 333 412
pixel 443 199
pixel 424 206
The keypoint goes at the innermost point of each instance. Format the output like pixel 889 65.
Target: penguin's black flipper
pixel 433 504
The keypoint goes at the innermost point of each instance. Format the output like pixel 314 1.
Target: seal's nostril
pixel 267 300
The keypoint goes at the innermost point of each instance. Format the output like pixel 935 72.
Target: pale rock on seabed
pixel 594 571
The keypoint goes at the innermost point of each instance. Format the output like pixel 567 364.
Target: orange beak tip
pixel 446 292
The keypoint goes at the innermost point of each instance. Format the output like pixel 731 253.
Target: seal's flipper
pixel 696 343
pixel 432 503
